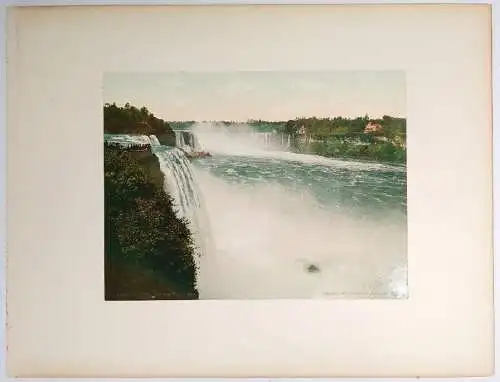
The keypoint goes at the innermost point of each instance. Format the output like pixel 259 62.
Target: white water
pixel 217 139
pixel 240 138
pixel 266 233
pixel 181 184
pixel 256 240
pixel 128 140
pixel 154 141
pixel 265 236
pixel 180 181
pixel 186 140
pixel 179 178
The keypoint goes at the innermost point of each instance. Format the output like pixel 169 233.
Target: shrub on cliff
pixel 142 229
pixel 132 120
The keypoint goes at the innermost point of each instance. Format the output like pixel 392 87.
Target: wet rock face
pixel 312 268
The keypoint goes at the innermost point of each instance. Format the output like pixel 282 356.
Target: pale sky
pixel 240 96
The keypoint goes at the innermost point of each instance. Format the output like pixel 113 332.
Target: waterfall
pixel 263 137
pixel 128 140
pixel 179 139
pixel 244 223
pixel 154 141
pixel 272 139
pixel 179 178
pixel 218 139
pixel 179 182
pixel 186 140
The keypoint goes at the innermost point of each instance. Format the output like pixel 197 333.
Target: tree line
pixel 320 128
pixel 129 119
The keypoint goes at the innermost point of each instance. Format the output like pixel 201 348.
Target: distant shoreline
pixel 364 139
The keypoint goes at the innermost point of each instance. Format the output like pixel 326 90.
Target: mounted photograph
pixel 255 185
pixel 226 191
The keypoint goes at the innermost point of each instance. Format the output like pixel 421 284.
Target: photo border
pixel 476 322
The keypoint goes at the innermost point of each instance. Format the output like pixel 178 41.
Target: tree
pixel 132 120
pixel 142 229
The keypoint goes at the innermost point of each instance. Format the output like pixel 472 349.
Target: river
pixel 276 224
pixel 273 214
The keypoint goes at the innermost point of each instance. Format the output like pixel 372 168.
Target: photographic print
pixel 255 185
pixel 254 158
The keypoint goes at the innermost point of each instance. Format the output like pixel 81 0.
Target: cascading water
pixel 179 180
pixel 175 166
pixel 179 183
pixel 240 138
pixel 125 140
pixel 179 139
pixel 272 140
pixel 264 217
pixel 154 141
pixel 187 141
pixel 275 216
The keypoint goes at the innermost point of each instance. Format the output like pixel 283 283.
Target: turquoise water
pixel 263 215
pixel 273 213
pixel 360 188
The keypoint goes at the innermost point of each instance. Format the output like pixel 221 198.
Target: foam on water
pixel 265 236
pixel 274 213
pixel 127 140
pixel 240 140
pixel 262 217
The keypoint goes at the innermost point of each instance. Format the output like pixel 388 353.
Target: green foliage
pixel 142 230
pixel 326 127
pixel 346 138
pixel 343 137
pixel 132 120
pixel 368 150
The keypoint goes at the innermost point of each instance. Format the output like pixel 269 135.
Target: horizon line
pixel 280 120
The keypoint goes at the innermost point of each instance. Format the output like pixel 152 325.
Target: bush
pixel 132 120
pixel 143 232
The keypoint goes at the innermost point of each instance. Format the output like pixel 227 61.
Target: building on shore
pixel 373 128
